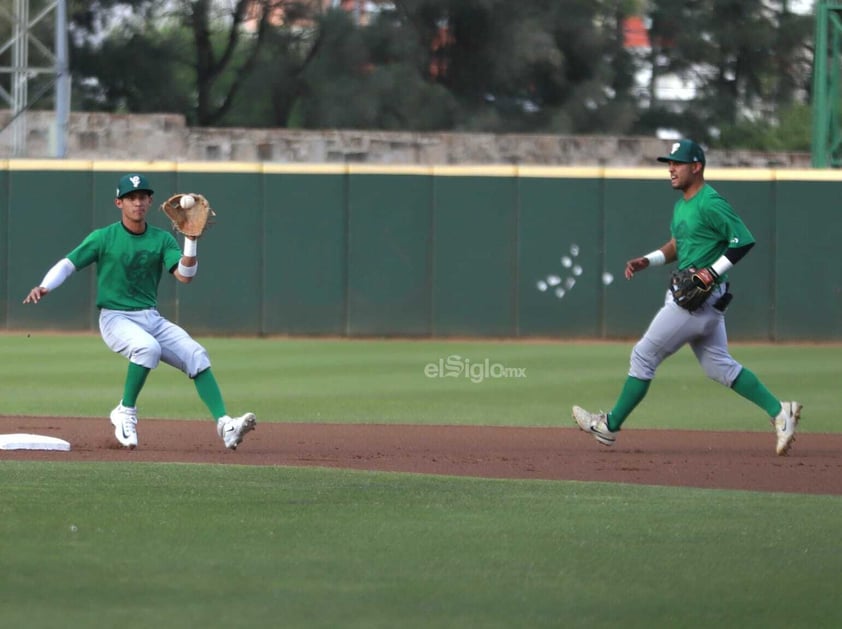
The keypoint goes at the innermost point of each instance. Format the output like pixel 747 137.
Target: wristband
pixel 722 265
pixel 187 271
pixel 656 258
pixel 190 247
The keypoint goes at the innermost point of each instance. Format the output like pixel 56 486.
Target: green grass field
pixel 163 545
pixel 370 381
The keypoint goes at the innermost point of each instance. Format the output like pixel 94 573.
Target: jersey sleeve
pixel 728 224
pixel 88 250
pixel 172 253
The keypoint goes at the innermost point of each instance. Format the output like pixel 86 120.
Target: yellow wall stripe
pixel 444 170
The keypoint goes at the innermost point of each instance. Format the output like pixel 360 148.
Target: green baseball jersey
pixel 129 266
pixel 704 227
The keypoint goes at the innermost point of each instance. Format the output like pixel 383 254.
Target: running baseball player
pixel 130 256
pixel 708 239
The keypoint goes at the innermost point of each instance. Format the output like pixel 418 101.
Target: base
pixel 23 441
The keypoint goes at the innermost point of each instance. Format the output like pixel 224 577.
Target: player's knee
pixel 724 374
pixel 197 361
pixel 720 367
pixel 641 364
pixel 147 354
pixel 718 376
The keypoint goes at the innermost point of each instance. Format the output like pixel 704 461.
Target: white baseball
pixel 187 201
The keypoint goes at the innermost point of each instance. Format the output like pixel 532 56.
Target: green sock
pixel 749 386
pixel 135 379
pixel 634 390
pixel 209 392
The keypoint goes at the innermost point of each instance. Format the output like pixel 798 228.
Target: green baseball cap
pixel 130 183
pixel 686 151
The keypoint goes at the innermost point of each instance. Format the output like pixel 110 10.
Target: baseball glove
pixel 190 219
pixel 688 288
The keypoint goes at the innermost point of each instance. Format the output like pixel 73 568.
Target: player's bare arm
pixel 189 263
pixel 663 255
pixel 186 262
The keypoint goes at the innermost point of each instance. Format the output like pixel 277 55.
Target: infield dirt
pixel 724 460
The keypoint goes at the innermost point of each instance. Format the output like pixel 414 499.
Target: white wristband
pixel 190 246
pixel 656 258
pixel 187 271
pixel 721 265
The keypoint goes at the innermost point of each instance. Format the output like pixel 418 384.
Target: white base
pixel 21 441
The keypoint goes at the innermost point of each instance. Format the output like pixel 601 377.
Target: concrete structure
pixel 99 136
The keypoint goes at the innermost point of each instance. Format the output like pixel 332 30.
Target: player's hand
pixel 35 295
pixel 634 265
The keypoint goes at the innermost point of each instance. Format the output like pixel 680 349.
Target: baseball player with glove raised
pixel 130 257
pixel 708 239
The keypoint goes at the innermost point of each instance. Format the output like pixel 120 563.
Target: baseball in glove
pixel 190 213
pixel 690 288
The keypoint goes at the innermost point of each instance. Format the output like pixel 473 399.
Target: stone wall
pixel 101 136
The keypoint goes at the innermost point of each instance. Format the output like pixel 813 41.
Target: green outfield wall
pixel 443 251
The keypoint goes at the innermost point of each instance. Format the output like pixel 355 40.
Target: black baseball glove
pixel 691 288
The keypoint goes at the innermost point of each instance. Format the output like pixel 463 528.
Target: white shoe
pixel 595 424
pixel 785 424
pixel 232 429
pixel 124 420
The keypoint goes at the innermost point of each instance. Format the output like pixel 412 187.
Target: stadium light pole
pixel 21 42
pixel 826 130
pixel 62 104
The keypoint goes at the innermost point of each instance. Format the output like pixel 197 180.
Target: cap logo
pixel 135 180
pixel 675 147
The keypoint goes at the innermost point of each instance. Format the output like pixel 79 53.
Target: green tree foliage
pixel 788 131
pixel 535 65
pixel 191 56
pixel 368 78
pixel 749 60
pixel 558 66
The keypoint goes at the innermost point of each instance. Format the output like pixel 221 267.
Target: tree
pixel 213 97
pixel 527 66
pixel 748 59
pixel 178 55
pixel 557 66
pixel 369 78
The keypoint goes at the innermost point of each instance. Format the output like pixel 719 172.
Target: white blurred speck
pixel 574 249
pixel 569 283
pixel 577 270
pixel 566 262
pixel 73 528
pixel 559 292
pixel 542 286
pixel 553 280
pixel 607 278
